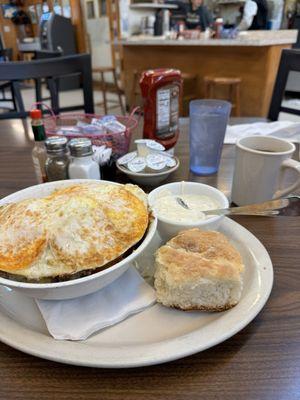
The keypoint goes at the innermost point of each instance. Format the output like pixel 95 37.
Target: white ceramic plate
pixel 154 336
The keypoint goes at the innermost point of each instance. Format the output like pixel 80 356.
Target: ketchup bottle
pixel 161 90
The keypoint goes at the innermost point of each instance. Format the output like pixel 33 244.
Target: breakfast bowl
pixel 170 223
pixel 79 285
pixel 148 178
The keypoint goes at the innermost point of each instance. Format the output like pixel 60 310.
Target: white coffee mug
pixel 260 163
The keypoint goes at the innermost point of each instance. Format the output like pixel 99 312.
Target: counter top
pixel 248 38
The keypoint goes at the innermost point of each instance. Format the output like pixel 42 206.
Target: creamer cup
pixel 138 164
pixel 156 162
pixel 127 158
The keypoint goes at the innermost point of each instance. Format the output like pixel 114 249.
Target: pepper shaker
pixel 58 159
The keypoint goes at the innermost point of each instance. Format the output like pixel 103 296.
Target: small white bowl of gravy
pixel 173 217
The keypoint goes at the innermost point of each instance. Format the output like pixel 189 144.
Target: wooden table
pixel 260 362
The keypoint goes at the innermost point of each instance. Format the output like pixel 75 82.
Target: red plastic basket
pixel 119 142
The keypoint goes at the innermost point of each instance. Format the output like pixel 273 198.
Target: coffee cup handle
pixel 288 164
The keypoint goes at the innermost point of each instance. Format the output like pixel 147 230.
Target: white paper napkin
pixel 77 319
pixel 282 129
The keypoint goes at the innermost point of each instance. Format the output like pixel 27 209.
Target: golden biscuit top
pixel 196 254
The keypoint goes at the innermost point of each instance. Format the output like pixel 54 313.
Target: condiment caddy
pixel 57 158
pixel 75 151
pixel 111 131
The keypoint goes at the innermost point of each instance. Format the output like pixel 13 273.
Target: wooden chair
pixel 50 69
pixel 290 61
pixel 135 93
pixel 105 89
pixel 233 85
pixel 190 86
pixel 112 7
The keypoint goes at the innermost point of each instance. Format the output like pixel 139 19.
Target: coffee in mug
pixel 260 163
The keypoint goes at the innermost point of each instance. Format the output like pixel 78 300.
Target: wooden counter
pixel 253 56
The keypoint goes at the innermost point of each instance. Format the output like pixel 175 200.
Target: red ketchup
pixel 161 90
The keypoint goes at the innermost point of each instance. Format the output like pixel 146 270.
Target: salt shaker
pixel 82 166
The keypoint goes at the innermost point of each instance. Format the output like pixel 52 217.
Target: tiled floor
pixel 290 103
pixel 68 98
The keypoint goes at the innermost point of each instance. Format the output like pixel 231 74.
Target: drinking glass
pixel 208 121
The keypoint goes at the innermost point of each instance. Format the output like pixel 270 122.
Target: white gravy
pixel 167 206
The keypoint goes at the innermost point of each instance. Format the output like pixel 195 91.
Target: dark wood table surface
pixel 260 362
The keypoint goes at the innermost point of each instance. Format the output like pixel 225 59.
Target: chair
pixel 104 87
pixel 190 86
pixel 113 13
pixel 290 61
pixel 296 25
pixel 50 69
pixel 233 86
pixel 43 55
pixel 5 56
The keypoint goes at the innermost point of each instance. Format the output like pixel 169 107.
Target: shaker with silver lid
pixel 82 165
pixel 56 144
pixel 80 147
pixel 57 158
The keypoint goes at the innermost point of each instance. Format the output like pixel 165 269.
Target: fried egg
pixel 72 231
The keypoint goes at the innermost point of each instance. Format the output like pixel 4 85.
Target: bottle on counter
pixel 166 22
pixel 180 28
pixel 218 28
pixel 38 152
pixel 58 158
pixel 82 165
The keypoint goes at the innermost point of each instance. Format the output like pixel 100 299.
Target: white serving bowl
pixel 151 178
pixel 76 287
pixel 168 228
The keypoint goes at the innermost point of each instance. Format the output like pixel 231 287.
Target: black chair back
pixel 44 54
pixel 296 25
pixel 50 69
pixel 290 61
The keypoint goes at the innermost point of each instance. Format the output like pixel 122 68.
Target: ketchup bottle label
pixel 161 90
pixel 167 111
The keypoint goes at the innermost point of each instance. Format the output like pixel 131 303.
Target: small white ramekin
pixel 168 228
